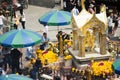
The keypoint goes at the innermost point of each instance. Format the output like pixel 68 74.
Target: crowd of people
pixel 8 15
pixel 71 4
pixel 113 23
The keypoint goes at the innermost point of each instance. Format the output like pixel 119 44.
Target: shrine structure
pixel 89 34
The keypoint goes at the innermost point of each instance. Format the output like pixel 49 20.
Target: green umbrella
pixel 56 18
pixel 20 38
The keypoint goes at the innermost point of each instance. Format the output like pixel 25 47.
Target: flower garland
pixel 102 68
pixel 50 56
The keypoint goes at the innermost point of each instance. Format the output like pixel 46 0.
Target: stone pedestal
pixel 68 63
pixel 88 56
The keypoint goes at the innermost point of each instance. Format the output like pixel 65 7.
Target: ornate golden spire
pixel 83 4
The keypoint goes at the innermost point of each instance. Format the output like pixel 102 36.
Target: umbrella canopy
pixel 14 77
pixel 20 38
pixel 116 66
pixel 56 18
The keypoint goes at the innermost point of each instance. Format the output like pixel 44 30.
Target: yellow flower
pixel 102 68
pixel 73 69
pixel 50 56
pixel 67 57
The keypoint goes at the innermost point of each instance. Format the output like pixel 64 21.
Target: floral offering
pixel 50 56
pixel 102 68
pixel 68 57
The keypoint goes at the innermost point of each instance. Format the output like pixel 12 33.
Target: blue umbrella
pixel 20 38
pixel 56 18
pixel 14 77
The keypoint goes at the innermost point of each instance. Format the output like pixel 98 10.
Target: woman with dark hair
pixel 38 64
pixel 37 70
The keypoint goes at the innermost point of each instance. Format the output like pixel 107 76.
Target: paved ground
pixel 33 13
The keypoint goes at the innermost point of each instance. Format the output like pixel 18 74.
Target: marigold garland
pixel 102 68
pixel 50 56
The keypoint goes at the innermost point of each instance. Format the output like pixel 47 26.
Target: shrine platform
pixel 84 61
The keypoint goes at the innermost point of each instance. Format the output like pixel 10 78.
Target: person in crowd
pixel 64 5
pixel 90 9
pixel 94 5
pixel 58 35
pixel 78 5
pixel 2 71
pixel 72 3
pixel 21 10
pixel 6 57
pixel 46 29
pixel 16 21
pixel 87 3
pixel 67 5
pixel 115 21
pixel 15 56
pixel 75 11
pixel 29 53
pixel 110 24
pixel 45 41
pixel 1 21
pixel 23 20
pixel 37 68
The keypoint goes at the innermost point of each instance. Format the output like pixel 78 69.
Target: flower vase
pixel 68 62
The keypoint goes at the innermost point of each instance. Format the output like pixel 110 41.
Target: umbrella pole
pixel 58 28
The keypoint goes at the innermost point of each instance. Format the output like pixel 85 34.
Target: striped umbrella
pixel 14 77
pixel 20 38
pixel 56 18
pixel 116 66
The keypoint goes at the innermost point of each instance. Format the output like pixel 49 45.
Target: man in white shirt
pixel 44 45
pixel 1 20
pixel 29 53
pixel 75 11
pixel 110 23
pixel 46 29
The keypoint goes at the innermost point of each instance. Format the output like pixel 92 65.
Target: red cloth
pixel 45 52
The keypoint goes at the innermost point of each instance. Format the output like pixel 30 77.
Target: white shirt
pixel 110 21
pixel 75 11
pixel 1 19
pixel 46 29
